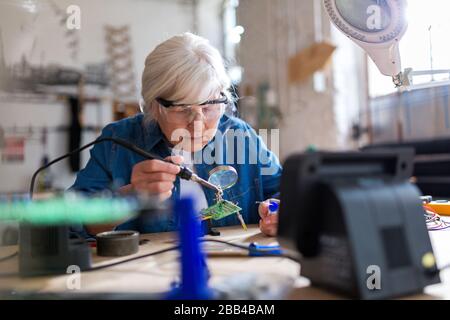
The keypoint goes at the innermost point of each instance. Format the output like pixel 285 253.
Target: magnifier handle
pixel 185 173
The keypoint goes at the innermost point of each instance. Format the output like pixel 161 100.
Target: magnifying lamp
pixel 376 26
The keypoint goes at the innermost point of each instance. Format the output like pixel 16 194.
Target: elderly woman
pixel 185 92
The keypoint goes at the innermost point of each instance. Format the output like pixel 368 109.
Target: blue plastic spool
pixel 194 272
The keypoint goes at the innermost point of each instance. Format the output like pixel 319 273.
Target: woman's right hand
pixel 153 177
pixel 156 177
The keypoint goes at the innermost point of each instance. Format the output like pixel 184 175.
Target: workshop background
pixel 293 71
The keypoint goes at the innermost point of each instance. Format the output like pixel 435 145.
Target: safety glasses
pixel 169 104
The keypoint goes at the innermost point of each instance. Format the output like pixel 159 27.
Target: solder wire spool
pixel 117 243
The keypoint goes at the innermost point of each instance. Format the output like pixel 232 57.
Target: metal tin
pixel 117 243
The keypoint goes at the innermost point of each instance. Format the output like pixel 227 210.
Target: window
pixel 425 46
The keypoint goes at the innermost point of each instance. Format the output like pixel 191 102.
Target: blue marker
pixel 273 206
pixel 257 250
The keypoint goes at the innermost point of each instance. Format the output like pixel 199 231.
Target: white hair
pixel 185 69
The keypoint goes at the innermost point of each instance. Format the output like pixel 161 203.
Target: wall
pixel 48 113
pixel 209 22
pixel 350 89
pixel 276 30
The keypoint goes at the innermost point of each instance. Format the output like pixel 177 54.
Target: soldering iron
pixel 185 173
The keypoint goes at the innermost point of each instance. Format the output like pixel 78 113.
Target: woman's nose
pixel 197 123
pixel 197 114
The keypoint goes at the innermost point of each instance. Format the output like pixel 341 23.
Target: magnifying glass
pixel 223 176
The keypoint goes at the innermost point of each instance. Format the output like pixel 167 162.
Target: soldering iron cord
pixel 240 246
pixel 121 142
pixel 185 173
pixel 236 245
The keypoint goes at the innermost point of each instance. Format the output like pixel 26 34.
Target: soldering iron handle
pixel 132 147
pixel 185 173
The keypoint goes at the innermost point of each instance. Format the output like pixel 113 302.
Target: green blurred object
pixel 311 148
pixel 68 210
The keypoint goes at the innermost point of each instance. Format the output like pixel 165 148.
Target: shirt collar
pixel 152 134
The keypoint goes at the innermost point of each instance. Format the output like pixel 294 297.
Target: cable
pixel 444 268
pixel 435 271
pixel 240 246
pixel 249 249
pixel 120 142
pixel 5 275
pixel 231 244
pixel 3 259
pixel 132 259
pixel 433 220
pixel 185 173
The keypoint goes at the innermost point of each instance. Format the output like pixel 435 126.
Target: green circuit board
pixel 220 210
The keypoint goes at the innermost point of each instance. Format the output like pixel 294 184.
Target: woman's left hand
pixel 269 222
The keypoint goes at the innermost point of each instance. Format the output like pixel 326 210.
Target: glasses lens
pixel 209 112
pixel 223 176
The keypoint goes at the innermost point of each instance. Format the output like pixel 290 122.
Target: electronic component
pixel 220 210
pixel 47 250
pixel 350 214
pixel 223 177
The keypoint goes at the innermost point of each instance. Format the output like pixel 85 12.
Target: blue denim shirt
pixel 237 144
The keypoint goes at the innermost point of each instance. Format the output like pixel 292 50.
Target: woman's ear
pixel 155 111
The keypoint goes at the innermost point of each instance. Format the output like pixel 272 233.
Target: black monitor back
pixel 351 215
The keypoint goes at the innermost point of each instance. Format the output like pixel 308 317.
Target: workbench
pixel 155 274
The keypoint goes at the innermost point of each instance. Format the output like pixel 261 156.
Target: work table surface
pixel 155 274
